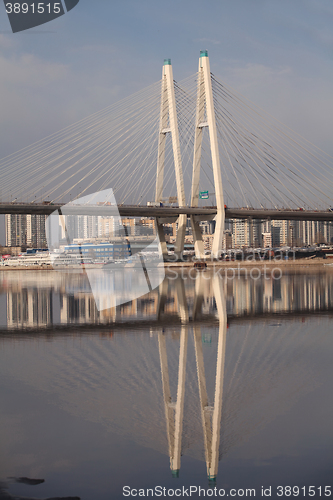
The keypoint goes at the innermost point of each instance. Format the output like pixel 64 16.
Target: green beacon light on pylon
pixel 211 480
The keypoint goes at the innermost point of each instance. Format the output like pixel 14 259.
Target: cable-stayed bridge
pixel 177 142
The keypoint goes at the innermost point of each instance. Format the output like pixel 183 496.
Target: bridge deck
pixel 144 211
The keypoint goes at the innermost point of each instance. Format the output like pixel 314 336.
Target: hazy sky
pixel 278 53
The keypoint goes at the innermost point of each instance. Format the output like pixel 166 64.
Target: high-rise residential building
pixel 16 230
pixel 328 231
pixel 310 233
pixel 36 235
pixel 109 227
pixel 85 227
pixel 265 230
pixel 266 240
pixel 255 233
pixel 25 230
pixel 241 234
pixel 227 240
pixel 279 230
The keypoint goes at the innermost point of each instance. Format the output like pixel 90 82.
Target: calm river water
pixel 223 385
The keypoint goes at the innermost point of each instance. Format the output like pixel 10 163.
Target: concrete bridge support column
pixel 197 238
pixel 161 235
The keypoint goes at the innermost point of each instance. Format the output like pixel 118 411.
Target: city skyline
pixel 29 231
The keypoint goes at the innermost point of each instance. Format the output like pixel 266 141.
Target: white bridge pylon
pixel 169 116
pixel 205 117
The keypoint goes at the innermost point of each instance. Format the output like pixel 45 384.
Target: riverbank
pixel 299 265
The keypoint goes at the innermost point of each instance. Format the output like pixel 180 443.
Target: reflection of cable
pixel 127 241
pixel 145 272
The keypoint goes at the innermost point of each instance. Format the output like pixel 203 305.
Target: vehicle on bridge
pixel 154 204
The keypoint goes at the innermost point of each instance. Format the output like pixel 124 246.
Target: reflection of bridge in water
pixel 33 300
pixel 194 388
pixel 264 374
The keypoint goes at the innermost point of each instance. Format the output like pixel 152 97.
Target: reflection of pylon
pixel 174 411
pixel 212 465
pixel 210 415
